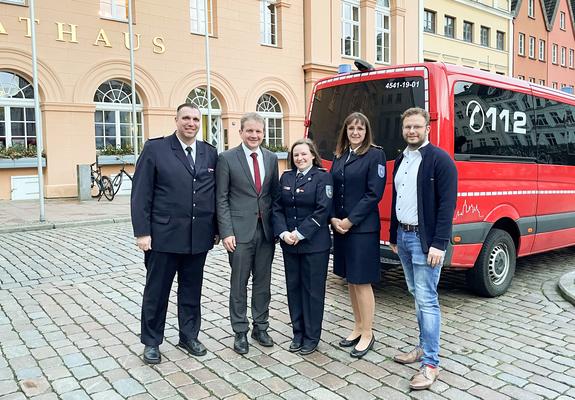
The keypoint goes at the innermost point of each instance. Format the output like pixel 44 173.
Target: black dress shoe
pixel 241 345
pixel 308 349
pixel 360 353
pixel 349 343
pixel 194 347
pixel 152 355
pixel 295 346
pixel 262 338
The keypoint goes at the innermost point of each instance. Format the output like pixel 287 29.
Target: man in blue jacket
pixel 423 203
pixel 174 219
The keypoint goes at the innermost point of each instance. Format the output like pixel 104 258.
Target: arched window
pixel 17 120
pixel 113 116
pixel 199 98
pixel 269 108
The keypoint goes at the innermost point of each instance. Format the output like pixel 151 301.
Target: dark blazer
pixel 171 202
pixel 238 203
pixel 436 198
pixel 305 205
pixel 358 185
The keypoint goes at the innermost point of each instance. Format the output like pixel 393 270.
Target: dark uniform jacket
pixel 305 205
pixel 358 185
pixel 436 198
pixel 171 202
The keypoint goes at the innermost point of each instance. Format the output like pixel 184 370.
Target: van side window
pixel 555 127
pixel 492 124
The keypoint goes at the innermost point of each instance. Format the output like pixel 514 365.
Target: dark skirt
pixel 356 257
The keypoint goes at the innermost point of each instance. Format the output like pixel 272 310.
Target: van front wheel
pixel 494 269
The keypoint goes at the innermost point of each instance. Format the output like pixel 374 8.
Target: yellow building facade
pixel 473 33
pixel 265 56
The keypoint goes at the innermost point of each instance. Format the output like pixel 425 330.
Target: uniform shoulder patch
pixel 329 191
pixel 381 170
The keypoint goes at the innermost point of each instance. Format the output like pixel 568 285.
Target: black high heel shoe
pixel 348 343
pixel 360 353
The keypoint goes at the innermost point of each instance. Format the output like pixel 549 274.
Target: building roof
pixel 516 6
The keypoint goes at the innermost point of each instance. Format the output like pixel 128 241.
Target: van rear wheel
pixel 494 269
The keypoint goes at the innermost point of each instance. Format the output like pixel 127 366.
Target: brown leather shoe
pixel 414 355
pixel 424 378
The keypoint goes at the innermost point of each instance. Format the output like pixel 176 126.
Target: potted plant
pixel 116 155
pixel 19 156
pixel 281 151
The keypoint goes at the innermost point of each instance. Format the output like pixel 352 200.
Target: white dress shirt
pixel 250 161
pixel 185 146
pixel 406 186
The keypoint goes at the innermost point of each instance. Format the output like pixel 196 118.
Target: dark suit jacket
pixel 436 198
pixel 238 203
pixel 358 185
pixel 305 205
pixel 172 203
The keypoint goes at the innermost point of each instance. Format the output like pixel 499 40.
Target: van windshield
pixel 381 100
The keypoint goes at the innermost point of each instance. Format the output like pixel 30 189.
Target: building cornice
pixel 480 6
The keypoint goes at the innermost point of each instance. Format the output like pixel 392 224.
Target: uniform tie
pixel 189 157
pixel 298 176
pixel 257 176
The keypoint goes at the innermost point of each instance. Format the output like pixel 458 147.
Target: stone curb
pixel 41 226
pixel 567 286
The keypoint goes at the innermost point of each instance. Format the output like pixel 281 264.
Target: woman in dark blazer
pixel 301 220
pixel 358 172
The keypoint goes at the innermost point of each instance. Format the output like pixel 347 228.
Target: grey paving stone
pixel 95 385
pixel 65 385
pixel 128 387
pixel 76 395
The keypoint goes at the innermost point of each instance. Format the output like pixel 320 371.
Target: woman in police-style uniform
pixel 300 218
pixel 358 172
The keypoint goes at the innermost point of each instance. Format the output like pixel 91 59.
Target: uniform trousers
pixel 161 269
pixel 252 258
pixel 305 280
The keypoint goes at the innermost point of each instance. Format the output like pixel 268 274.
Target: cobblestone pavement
pixel 69 324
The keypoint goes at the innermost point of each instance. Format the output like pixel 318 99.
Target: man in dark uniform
pixel 173 216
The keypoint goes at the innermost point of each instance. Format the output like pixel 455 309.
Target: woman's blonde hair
pixel 343 142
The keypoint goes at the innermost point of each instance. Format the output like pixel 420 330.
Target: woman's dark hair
pixel 343 142
pixel 317 158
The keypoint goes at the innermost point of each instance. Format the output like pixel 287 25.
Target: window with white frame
pixel 554 54
pixel 554 85
pixel 485 33
pixel 531 8
pixel 198 17
pixel 521 44
pixel 382 32
pixel 542 82
pixel 562 20
pixel 541 49
pixel 468 31
pixel 17 118
pixel 449 26
pixel 500 40
pixel 429 21
pixel 269 108
pixel 114 9
pixel 199 97
pixel 350 28
pixel 571 57
pixel 531 47
pixel 268 22
pixel 113 116
pixel 563 56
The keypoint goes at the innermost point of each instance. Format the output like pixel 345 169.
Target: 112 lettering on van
pixel 478 117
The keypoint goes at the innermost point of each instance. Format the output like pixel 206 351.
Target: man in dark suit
pixel 173 216
pixel 247 181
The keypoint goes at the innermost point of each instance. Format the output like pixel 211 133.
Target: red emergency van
pixel 513 143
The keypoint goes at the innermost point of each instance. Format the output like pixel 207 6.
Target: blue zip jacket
pixel 436 198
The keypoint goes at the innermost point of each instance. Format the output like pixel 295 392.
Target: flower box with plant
pixel 116 155
pixel 20 157
pixel 281 151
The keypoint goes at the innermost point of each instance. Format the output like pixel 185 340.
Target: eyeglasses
pixel 415 127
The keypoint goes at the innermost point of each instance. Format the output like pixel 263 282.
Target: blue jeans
pixel 422 283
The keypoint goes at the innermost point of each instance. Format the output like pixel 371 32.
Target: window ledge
pixel 273 46
pixel 26 162
pixel 125 21
pixel 116 159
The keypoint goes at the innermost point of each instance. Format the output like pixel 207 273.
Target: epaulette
pixel 322 169
pixel 287 170
pixel 376 146
pixel 156 138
